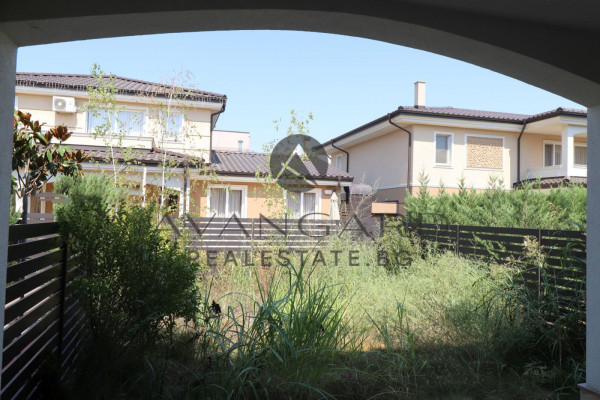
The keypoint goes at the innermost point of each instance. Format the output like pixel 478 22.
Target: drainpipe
pixel 346 188
pixel 186 174
pixel 347 156
pixel 519 152
pixel 212 116
pixel 409 169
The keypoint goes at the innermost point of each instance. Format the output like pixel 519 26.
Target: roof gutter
pixel 409 168
pixel 519 152
pixel 213 122
pixel 347 156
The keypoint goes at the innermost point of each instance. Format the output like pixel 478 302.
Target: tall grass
pixel 415 332
pixel 438 327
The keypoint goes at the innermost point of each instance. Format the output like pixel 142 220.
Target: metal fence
pixel 42 319
pixel 563 254
pixel 240 234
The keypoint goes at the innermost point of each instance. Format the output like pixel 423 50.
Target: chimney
pixel 419 94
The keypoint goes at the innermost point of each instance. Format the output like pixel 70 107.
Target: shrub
pixel 563 207
pixel 134 283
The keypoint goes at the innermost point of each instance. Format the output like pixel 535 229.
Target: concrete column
pixel 568 151
pixel 8 65
pixel 591 389
pixel 187 194
pixel 144 176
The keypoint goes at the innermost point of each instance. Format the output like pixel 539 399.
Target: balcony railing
pixel 552 172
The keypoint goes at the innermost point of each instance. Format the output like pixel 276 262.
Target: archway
pixel 553 47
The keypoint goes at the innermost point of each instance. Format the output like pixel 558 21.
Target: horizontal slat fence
pixel 41 316
pixel 563 254
pixel 226 234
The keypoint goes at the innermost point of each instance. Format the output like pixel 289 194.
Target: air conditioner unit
pixel 63 104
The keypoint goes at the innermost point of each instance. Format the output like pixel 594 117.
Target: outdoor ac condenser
pixel 63 104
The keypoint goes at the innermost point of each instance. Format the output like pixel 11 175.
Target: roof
pixel 464 113
pixel 554 181
pixel 142 156
pixel 122 85
pixel 248 163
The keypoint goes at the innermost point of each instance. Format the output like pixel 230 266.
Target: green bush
pixel 135 282
pixel 562 208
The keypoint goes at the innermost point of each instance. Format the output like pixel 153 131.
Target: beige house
pixel 449 144
pixel 210 172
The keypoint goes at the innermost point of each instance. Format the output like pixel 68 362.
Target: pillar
pixel 8 65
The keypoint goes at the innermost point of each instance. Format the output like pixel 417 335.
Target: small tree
pixel 38 157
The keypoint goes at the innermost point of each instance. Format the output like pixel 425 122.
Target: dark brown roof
pixel 138 156
pixel 463 113
pixel 240 163
pixel 554 181
pixel 122 85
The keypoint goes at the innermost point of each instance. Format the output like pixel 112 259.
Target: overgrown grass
pixel 429 330
pixel 441 327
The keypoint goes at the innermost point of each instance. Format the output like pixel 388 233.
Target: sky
pixel 343 81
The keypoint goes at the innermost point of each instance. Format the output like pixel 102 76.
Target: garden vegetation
pixel 435 325
pixel 562 208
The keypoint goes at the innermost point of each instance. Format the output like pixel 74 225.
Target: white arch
pixel 554 45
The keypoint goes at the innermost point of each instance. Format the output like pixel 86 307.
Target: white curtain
pixel 580 155
pixel 103 120
pixel 218 202
pixel 131 122
pixel 293 203
pixel 235 203
pixel 309 204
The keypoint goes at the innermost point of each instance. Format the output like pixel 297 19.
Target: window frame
pixel 178 138
pixel 318 198
pixel 553 143
pixel 579 144
pixel 450 163
pixel 228 189
pixel 339 159
pixel 135 109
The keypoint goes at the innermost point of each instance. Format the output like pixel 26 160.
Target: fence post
pixel 539 266
pixel 458 240
pixel 63 288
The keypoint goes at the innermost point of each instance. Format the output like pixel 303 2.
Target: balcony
pixel 559 171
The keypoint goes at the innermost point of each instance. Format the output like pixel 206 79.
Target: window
pixel 301 204
pixel 128 122
pixel 443 148
pixel 174 126
pixel 580 155
pixel 131 122
pixel 224 202
pixel 339 162
pixel 552 154
pixel 240 145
